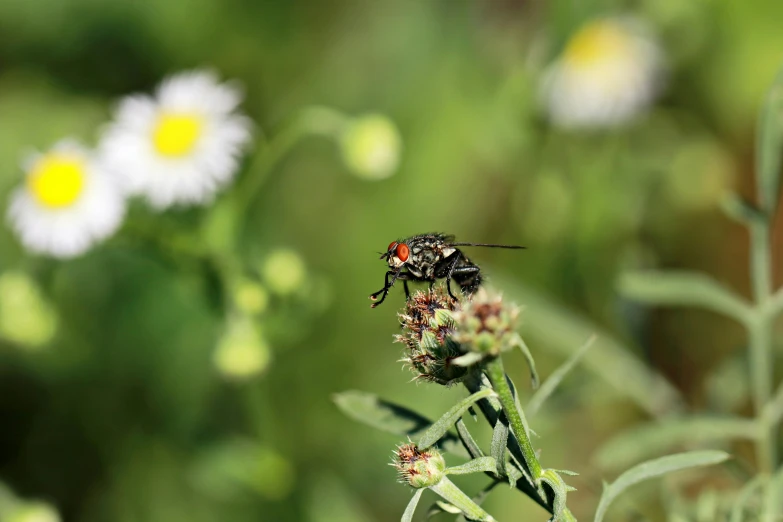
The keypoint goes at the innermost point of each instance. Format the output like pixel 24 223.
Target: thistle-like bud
pixel 486 325
pixel 427 329
pixel 419 468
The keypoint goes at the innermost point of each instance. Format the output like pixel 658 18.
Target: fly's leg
pixel 407 291
pixel 451 271
pixel 445 267
pixel 386 286
pixel 468 278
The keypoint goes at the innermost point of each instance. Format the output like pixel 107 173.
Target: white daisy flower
pixel 608 73
pixel 182 145
pixel 67 203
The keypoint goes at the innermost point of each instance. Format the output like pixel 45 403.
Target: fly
pixel 427 258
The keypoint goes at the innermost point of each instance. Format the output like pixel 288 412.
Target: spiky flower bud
pixel 419 468
pixel 428 326
pixel 486 325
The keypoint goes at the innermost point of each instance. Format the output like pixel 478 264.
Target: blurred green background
pixel 113 408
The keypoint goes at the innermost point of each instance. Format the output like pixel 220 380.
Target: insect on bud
pixel 428 325
pixel 419 468
pixel 486 325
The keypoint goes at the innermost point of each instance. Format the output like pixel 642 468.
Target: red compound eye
pixel 402 252
pixel 391 245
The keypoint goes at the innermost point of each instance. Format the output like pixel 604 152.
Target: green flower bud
pixel 486 325
pixel 250 297
pixel 427 326
pixel 26 318
pixel 284 271
pixel 371 146
pixel 419 468
pixel 241 352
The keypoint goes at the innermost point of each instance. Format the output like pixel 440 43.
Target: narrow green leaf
pixel 498 446
pixel 407 516
pixel 557 328
pixel 469 359
pixel 372 411
pixel 481 464
pixel 655 468
pixel 656 438
pixel 682 288
pixel 769 148
pixel 442 425
pixel 531 363
pixel 368 409
pixel 456 497
pixel 549 386
pixel 467 440
pixel 441 506
pixel 740 210
pixel 560 489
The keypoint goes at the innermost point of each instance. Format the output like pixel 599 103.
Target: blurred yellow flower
pixel 241 353
pixel 284 271
pixel 177 135
pixel 609 71
pixel 67 203
pixel 181 146
pixel 371 146
pixel 25 316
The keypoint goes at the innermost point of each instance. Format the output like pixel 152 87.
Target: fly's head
pixel 396 254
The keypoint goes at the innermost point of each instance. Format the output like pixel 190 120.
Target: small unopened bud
pixel 26 317
pixel 427 327
pixel 250 297
pixel 284 271
pixel 241 352
pixel 371 146
pixel 419 468
pixel 486 325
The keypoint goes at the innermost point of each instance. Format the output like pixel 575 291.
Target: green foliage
pixel 179 371
pixel 407 515
pixel 652 439
pixel 769 153
pixel 440 427
pixel 684 289
pixel 550 385
pixel 652 469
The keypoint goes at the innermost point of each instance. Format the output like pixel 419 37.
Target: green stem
pixel 455 496
pixel 497 377
pixel 761 360
pixel 312 120
pixel 760 333
pixel 492 410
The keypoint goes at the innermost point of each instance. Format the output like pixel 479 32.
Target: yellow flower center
pixel 56 180
pixel 177 134
pixel 595 42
